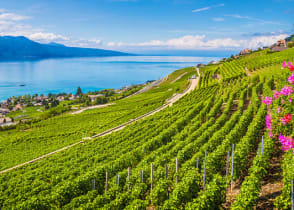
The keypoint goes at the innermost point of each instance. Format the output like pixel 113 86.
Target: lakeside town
pixel 14 109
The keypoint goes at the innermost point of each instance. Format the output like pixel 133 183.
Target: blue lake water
pixel 65 75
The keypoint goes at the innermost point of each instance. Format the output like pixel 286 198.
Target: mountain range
pixel 22 48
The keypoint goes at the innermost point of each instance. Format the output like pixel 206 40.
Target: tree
pixel 45 103
pixel 54 103
pixel 101 100
pixel 79 91
pixel 290 44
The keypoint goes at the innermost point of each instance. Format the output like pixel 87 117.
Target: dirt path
pixel 39 158
pixel 249 73
pixel 91 107
pixel 192 86
pixel 179 77
pixel 272 183
pixel 148 87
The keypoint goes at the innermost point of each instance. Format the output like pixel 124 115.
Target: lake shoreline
pixel 91 74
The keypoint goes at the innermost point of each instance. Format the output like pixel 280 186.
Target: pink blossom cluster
pixel 268 123
pixel 277 94
pixel 286 65
pixel 291 79
pixel 287 90
pixel 278 109
pixel 267 100
pixel 287 118
pixel 287 142
pixel 290 66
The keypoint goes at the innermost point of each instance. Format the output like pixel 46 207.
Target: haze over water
pixel 65 75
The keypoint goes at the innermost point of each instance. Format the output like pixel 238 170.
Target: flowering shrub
pixel 280 122
pixel 289 65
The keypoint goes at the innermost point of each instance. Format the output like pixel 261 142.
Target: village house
pixel 279 46
pixel 4 104
pixel 4 111
pixel 5 120
pixel 73 97
pixel 200 65
pixel 17 107
pixel 38 104
pixel 213 62
pixel 281 43
pixel 41 98
pixel 60 98
pixel 245 51
pixel 94 97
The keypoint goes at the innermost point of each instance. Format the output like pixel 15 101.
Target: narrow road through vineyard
pixel 193 84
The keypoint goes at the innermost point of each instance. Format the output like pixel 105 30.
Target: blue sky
pixel 150 25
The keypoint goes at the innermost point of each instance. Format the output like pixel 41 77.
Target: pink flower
pixel 290 100
pixel 267 100
pixel 277 95
pixel 287 118
pixel 270 134
pixel 287 142
pixel 285 64
pixel 291 79
pixel 286 90
pixel 289 65
pixel 268 122
pixel 278 109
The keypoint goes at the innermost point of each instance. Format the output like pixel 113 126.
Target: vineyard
pixel 209 150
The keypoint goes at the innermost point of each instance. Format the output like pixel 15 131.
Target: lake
pixel 65 75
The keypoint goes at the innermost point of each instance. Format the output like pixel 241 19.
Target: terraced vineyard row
pixel 187 156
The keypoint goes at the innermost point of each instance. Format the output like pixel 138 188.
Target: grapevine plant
pixel 280 122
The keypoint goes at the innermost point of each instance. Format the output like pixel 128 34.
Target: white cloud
pixel 111 44
pixel 88 43
pixel 12 17
pixel 187 42
pixel 218 19
pixel 253 19
pixel 208 8
pixel 11 25
pixel 200 42
pixel 47 37
pixel 201 9
pixel 261 41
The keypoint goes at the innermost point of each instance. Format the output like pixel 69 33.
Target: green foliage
pixel 209 119
pixel 250 189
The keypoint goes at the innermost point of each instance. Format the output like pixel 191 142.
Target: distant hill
pixel 20 47
pixel 290 38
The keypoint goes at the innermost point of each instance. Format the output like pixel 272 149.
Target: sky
pixel 150 25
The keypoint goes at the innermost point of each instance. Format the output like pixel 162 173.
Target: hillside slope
pixel 159 162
